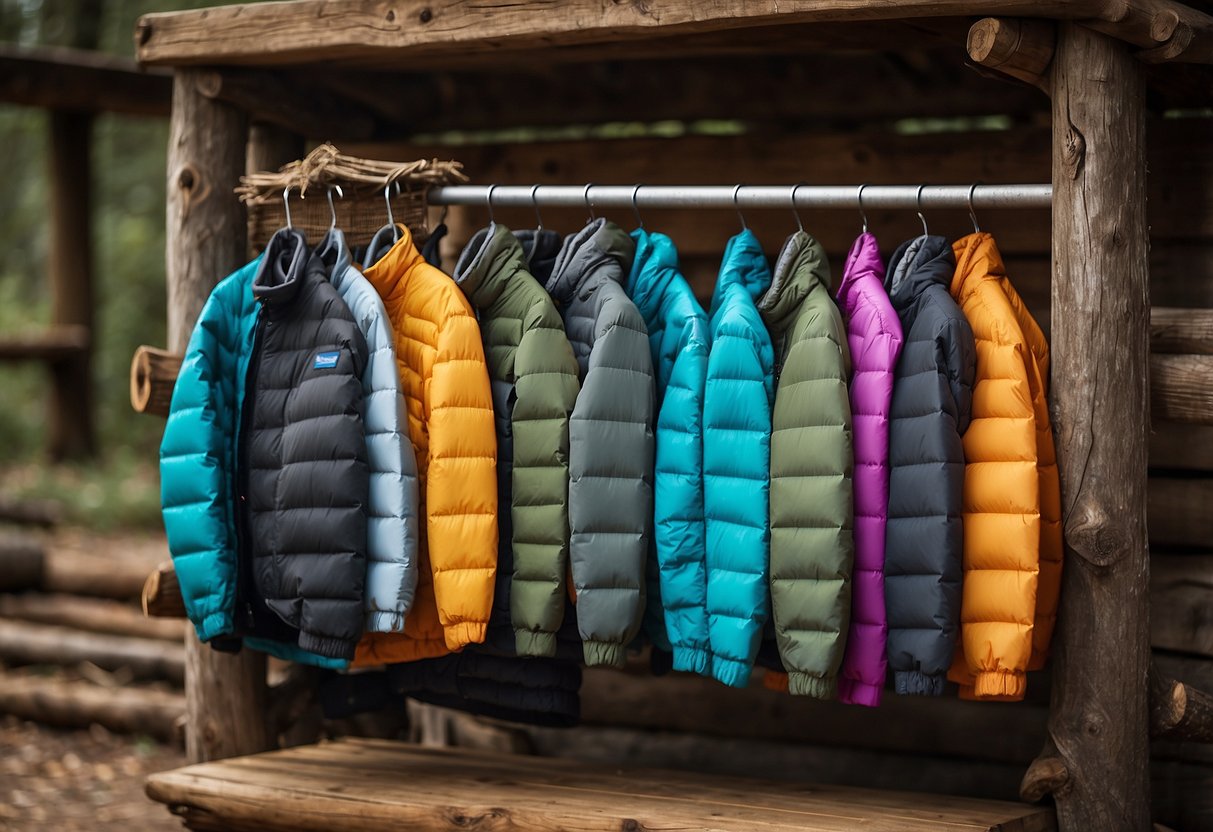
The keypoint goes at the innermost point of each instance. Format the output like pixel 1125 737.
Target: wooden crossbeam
pixel 75 79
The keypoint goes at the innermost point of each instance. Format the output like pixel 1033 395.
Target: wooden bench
pixel 376 785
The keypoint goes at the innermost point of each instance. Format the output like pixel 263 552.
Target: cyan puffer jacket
pixel 198 470
pixel 738 398
pixel 676 613
pixel 392 522
pixel 932 399
pixel 303 474
pixel 874 337
pixel 812 545
pixel 610 438
pixel 534 379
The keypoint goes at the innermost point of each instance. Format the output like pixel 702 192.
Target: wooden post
pixel 1098 723
pixel 225 694
pixel 71 272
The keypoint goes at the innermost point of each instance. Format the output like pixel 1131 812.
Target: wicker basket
pixel 361 209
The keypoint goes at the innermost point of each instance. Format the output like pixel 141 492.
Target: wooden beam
pixel 1098 721
pixel 325 30
pixel 205 241
pixel 25 643
pixel 281 100
pixel 96 615
pixel 1181 388
pixel 1181 331
pixel 61 343
pixel 1179 512
pixel 1181 603
pixel 153 377
pixel 1176 446
pixel 82 81
pixel 162 593
pixel 1179 711
pixel 1017 47
pixel 77 573
pixel 128 710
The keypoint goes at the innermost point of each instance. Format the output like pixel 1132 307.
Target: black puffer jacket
pixel 932 394
pixel 303 465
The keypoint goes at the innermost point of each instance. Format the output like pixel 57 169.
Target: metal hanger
pixel 391 221
pixel 488 203
pixel 332 208
pixel 286 204
pixel 795 213
pixel 737 207
pixel 922 219
pixel 863 214
pixel 535 205
pixel 972 213
pixel 589 206
pixel 636 208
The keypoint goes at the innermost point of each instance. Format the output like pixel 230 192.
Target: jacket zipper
pixel 244 553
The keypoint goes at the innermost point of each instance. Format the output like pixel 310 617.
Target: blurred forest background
pixel 120 488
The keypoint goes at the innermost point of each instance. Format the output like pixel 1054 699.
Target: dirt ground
pixel 79 780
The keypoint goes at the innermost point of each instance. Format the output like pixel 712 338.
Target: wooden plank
pixel 1177 446
pixel 74 572
pixel 1181 331
pixel 129 710
pixel 1179 512
pixel 312 30
pixel 1181 603
pixel 25 643
pixel 95 615
pixel 274 98
pixel 82 81
pixel 1098 722
pixel 354 785
pixel 1181 388
pixel 55 344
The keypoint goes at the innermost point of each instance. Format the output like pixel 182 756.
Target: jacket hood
pixel 743 264
pixel 862 261
pixel 488 260
pixel 657 262
pixel 601 251
pixel 977 256
pixel 539 248
pixel 282 267
pixel 915 266
pixel 802 266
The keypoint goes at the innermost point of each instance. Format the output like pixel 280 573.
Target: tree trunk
pixel 1100 316
pixel 225 694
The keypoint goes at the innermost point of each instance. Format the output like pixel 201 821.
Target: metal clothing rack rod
pixel 746 196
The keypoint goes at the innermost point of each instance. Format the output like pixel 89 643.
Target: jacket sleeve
pixel 812 543
pixel 611 486
pixel 545 390
pixel 679 521
pixel 1001 525
pixel 736 498
pixel 392 521
pixel 461 484
pixel 195 488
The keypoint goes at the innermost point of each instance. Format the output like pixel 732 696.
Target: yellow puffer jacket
pixel 1012 496
pixel 445 383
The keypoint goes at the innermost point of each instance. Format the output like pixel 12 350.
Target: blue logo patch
pixel 325 360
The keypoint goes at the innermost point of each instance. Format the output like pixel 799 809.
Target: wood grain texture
pixel 97 615
pixel 355 785
pixel 162 593
pixel 1018 47
pixel 1181 388
pixel 1181 331
pixel 128 710
pixel 24 643
pixel 1181 603
pixel 1179 512
pixel 153 377
pixel 1100 349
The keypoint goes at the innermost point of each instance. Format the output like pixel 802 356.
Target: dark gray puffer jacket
pixel 611 443
pixel 932 394
pixel 303 452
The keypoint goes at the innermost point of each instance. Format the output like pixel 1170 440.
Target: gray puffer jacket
pixel 611 443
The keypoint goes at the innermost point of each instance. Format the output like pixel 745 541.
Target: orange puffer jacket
pixel 1012 497
pixel 445 383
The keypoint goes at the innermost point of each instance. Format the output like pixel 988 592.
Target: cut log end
pixel 162 593
pixel 1047 775
pixel 1179 711
pixel 153 376
pixel 1020 49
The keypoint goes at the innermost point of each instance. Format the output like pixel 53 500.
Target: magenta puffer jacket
pixel 874 336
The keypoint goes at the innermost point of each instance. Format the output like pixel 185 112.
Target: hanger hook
pixel 921 218
pixel 286 204
pixel 795 213
pixel 972 213
pixel 863 214
pixel 332 208
pixel 387 200
pixel 488 202
pixel 737 207
pixel 636 207
pixel 589 206
pixel 535 205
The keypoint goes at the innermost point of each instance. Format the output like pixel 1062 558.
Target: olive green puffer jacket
pixel 533 375
pixel 812 547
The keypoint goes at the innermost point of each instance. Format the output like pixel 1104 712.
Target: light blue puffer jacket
pixel 198 465
pixel 737 407
pixel 392 522
pixel 678 336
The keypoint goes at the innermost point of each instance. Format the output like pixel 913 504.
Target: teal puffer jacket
pixel 676 614
pixel 737 405
pixel 198 465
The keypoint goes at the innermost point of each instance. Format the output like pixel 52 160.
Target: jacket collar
pixel 801 267
pixel 655 265
pixel 539 247
pixel 917 265
pixel 599 252
pixel 863 263
pixel 385 240
pixel 400 259
pixel 744 265
pixel 336 255
pixel 487 263
pixel 282 267
pixel 977 257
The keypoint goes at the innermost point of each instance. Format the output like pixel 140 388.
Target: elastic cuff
pixel 530 643
pixel 1005 684
pixel 214 625
pixel 692 660
pixel 854 692
pixel 731 672
pixel 464 633
pixel 380 621
pixel 292 653
pixel 915 683
pixel 598 653
pixel 333 648
pixel 818 687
